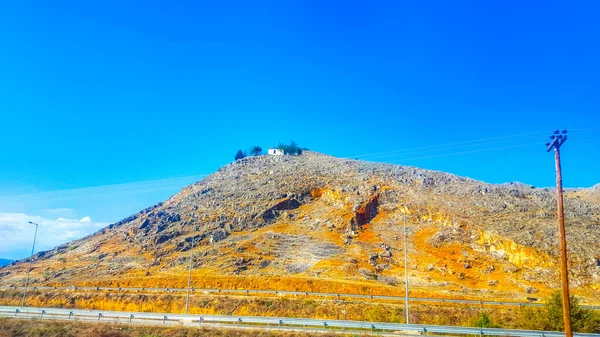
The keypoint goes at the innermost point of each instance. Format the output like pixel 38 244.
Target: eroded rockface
pixel 365 213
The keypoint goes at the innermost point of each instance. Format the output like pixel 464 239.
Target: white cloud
pixel 18 233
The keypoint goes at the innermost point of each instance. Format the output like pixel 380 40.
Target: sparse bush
pixel 369 275
pixel 390 280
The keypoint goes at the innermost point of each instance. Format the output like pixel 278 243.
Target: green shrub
pixel 582 320
pixel 484 321
pixel 550 317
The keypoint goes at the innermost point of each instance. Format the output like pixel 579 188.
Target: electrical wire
pixel 484 150
pixel 470 143
pixel 449 148
pixel 455 143
pixel 467 152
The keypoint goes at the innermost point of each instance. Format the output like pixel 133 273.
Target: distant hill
pixel 318 223
pixel 5 262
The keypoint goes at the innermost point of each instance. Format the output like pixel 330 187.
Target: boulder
pixel 218 235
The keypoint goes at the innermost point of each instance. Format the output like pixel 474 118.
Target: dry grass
pixel 35 328
pixel 446 314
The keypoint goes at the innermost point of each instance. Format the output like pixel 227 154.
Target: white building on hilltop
pixel 275 152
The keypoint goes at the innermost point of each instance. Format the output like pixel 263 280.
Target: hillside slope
pixel 315 222
pixel 591 194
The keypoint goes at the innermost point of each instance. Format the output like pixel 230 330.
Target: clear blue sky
pixel 99 93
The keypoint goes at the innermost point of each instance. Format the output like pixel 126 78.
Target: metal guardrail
pixel 50 313
pixel 298 293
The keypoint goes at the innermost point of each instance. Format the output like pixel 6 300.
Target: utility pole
pixel 405 267
pixel 558 139
pixel 30 262
pixel 187 298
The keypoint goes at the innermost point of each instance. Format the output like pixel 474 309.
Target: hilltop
pixel 319 223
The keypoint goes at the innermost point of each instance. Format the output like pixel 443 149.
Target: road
pixel 257 322
pixel 300 293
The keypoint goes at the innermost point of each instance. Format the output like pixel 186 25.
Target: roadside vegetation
pixel 544 318
pixel 551 316
pixel 11 327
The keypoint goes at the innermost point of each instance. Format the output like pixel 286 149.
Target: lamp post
pixel 405 266
pixel 187 297
pixel 30 262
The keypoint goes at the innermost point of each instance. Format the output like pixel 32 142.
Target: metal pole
pixel 563 247
pixel 30 262
pixel 187 298
pixel 558 139
pixel 405 269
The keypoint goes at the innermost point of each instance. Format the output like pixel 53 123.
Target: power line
pixel 456 143
pixel 485 150
pixel 471 143
pixel 448 148
pixel 467 152
pixel 585 129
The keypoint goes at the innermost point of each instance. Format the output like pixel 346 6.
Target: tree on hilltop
pixel 255 150
pixel 289 149
pixel 240 154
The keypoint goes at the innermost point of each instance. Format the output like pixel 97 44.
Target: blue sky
pixel 117 106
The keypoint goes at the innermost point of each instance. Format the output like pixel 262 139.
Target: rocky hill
pixel 315 222
pixel 590 194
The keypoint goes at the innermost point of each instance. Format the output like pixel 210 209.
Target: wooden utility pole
pixel 405 265
pixel 558 139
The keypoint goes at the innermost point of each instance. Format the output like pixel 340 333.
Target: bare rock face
pixel 286 204
pixel 218 235
pixel 320 216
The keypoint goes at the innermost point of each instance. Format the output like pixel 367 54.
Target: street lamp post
pixel 187 297
pixel 30 262
pixel 405 267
